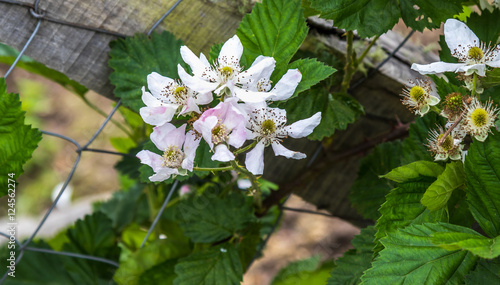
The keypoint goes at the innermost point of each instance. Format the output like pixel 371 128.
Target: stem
pixel 101 112
pixel 473 91
pixel 365 52
pixel 435 109
pixel 253 180
pixel 224 168
pixel 150 195
pixel 448 131
pixel 238 151
pixel 349 63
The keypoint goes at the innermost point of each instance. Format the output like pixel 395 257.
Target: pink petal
pixel 150 158
pixel 158 116
pixel 167 135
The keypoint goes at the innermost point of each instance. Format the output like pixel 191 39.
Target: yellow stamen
pixel 447 143
pixel 417 93
pixel 268 127
pixel 475 53
pixel 479 117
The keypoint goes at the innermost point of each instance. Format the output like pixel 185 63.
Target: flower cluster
pixel 241 112
pixel 466 115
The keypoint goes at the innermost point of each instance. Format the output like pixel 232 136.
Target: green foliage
pixel 414 171
pixel 481 25
pixel 249 240
pixel 312 71
pixel 354 15
pixel 215 265
pixel 132 59
pixel 18 140
pixel 482 165
pixel 410 256
pixel 275 28
pixel 8 55
pixel 438 194
pixel 444 88
pixel 350 267
pixel 486 272
pixel 461 238
pixel 205 218
pixel 306 271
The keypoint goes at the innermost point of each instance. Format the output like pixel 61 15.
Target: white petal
pixel 238 136
pixel 263 69
pixel 149 99
pixel 279 149
pixel 190 146
pixel 196 64
pixel 470 69
pixel 163 174
pixel 231 51
pixel 195 83
pixel 150 158
pixel 156 83
pixel 437 67
pixel 167 135
pixel 204 126
pixel 158 116
pixel 251 96
pixel 304 127
pixel 285 88
pixel 204 60
pixel 457 35
pixel 266 72
pixel 190 107
pixel 254 160
pixel 495 63
pixel 204 98
pixel 222 153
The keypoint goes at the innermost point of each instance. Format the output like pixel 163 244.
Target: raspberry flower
pixel 226 73
pixel 451 146
pixel 267 126
pixel 419 96
pixel 156 112
pixel 179 150
pixel 453 106
pixel 220 126
pixel 479 119
pixel 473 55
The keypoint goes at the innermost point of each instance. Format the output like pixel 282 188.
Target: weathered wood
pixel 82 55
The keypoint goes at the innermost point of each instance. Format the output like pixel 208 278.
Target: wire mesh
pixel 41 16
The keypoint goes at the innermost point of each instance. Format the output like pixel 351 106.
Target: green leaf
pixel 312 71
pixel 134 264
pixel 208 218
pixel 354 15
pixel 403 208
pixel 248 243
pixel 133 58
pixel 486 272
pixel 215 265
pixel 491 79
pixel 414 170
pixel 444 88
pixel 337 110
pixel 410 257
pixel 481 25
pixel 482 165
pixel 369 190
pixel 353 263
pixel 421 14
pixel 18 140
pixel 438 194
pixel 8 55
pixel 460 238
pixel 414 146
pixel 162 273
pixel 306 271
pixel 275 28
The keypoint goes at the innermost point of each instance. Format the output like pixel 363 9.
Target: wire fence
pixel 41 16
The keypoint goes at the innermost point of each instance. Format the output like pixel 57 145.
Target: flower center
pixel 268 127
pixel 417 93
pixel 475 53
pixel 219 134
pixel 447 143
pixel 479 117
pixel 226 71
pixel 172 157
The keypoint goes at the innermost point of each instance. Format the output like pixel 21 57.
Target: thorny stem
pixel 349 64
pixel 238 151
pixel 365 52
pixel 253 180
pixel 224 168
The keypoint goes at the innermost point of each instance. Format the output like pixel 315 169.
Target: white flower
pixel 479 119
pixel 267 126
pixel 451 146
pixel 156 112
pixel 179 150
pixel 472 54
pixel 227 74
pixel 419 96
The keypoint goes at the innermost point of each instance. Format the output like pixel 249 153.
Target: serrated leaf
pixel 353 263
pixel 481 25
pixel 208 218
pixel 306 271
pixel 437 195
pixel 354 15
pixel 18 140
pixel 486 272
pixel 421 14
pixel 312 71
pixel 403 208
pixel 414 145
pixel 133 58
pixel 461 238
pixel 482 165
pixel 444 88
pixel 410 257
pixel 275 28
pixel 215 265
pixel 369 190
pixel 162 273
pixel 248 243
pixel 414 170
pixel 491 79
